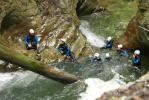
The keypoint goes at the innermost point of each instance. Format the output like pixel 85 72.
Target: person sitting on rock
pixel 96 58
pixel 109 42
pixel 64 49
pixel 121 51
pixel 136 58
pixel 31 41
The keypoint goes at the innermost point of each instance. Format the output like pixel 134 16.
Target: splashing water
pixel 99 77
pixel 93 39
pixel 96 87
pixel 16 78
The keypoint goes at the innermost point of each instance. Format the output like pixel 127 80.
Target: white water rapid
pixel 92 38
pixel 95 86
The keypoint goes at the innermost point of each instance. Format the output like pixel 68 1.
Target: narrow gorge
pixel 85 24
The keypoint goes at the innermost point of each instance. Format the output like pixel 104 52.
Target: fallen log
pixel 9 55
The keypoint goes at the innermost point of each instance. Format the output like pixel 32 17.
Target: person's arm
pixel 25 39
pixel 136 60
pixel 68 51
pixel 133 60
pixel 124 52
pixel 59 48
pixel 91 60
pixel 108 44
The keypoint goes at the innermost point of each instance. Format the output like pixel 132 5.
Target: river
pixel 98 77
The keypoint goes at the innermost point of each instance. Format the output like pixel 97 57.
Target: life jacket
pixel 136 61
pixel 31 38
pixel 109 44
pixel 63 47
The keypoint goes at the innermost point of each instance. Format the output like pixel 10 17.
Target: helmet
pixel 96 55
pixel 31 31
pixel 120 46
pixel 107 55
pixel 64 40
pixel 109 38
pixel 137 52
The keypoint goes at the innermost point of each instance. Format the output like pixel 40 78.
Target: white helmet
pixel 31 31
pixel 64 40
pixel 137 52
pixel 96 55
pixel 109 38
pixel 120 46
pixel 107 55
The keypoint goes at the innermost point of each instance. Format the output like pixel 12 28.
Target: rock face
pixel 136 35
pixel 137 91
pixel 51 19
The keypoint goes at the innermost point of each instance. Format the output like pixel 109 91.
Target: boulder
pixel 51 19
pixel 136 35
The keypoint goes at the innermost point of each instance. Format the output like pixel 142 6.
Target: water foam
pixel 96 87
pixel 1 62
pixel 5 78
pixel 23 79
pixel 92 38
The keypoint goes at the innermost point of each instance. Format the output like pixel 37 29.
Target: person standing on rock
pixel 64 49
pixel 31 41
pixel 136 58
pixel 121 51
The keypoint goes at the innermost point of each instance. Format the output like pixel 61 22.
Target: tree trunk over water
pixel 9 55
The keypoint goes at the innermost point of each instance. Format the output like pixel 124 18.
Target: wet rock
pixel 51 20
pixel 139 90
pixel 85 7
pixel 136 35
pixel 130 38
pixel 7 67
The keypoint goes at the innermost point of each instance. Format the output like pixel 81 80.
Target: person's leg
pixel 71 56
pixel 34 45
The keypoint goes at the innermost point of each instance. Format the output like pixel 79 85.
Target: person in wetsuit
pixel 109 42
pixel 31 41
pixel 95 58
pixel 64 49
pixel 122 51
pixel 136 58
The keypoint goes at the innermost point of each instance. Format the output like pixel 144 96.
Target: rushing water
pixel 98 77
pixel 92 38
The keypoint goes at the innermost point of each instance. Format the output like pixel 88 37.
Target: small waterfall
pixel 96 87
pixel 93 39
